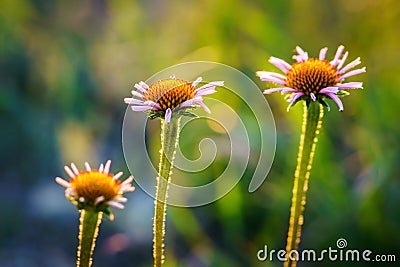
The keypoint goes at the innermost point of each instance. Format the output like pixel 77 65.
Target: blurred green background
pixel 65 67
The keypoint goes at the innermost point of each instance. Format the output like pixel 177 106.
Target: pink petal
pixel 352 73
pixel 339 52
pixel 117 176
pixel 303 55
pixel 140 87
pixel 313 97
pixel 350 85
pixel 333 89
pixel 273 90
pixel 87 166
pixel 336 99
pixel 115 204
pixel 107 167
pixel 197 81
pixel 268 77
pixel 152 104
pixel 141 108
pixel 263 74
pixel 206 109
pixel 211 85
pixel 322 53
pixel 144 85
pixel 343 60
pixel 137 94
pixel 168 115
pixel 69 172
pixel 191 102
pixel 288 90
pixel 280 64
pixel 350 65
pixel 62 182
pixel 206 92
pixel 295 96
pixel 74 168
pixel 132 101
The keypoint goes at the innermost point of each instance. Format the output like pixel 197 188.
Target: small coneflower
pixel 93 192
pixel 164 97
pixel 313 79
pixel 95 189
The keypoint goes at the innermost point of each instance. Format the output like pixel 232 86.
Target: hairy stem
pixel 312 120
pixel 88 231
pixel 169 141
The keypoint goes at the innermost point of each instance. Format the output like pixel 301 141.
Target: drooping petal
pixel 336 99
pixel 121 199
pixel 294 97
pixel 115 204
pixel 99 199
pixel 152 104
pixel 191 102
pixel 313 97
pixel 206 109
pixel 168 115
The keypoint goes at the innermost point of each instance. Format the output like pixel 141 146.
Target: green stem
pixel 169 141
pixel 88 231
pixel 312 120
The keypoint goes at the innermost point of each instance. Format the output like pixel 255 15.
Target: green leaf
pixel 188 114
pixel 325 104
pixel 342 93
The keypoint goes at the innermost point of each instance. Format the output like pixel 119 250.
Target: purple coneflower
pixel 164 97
pixel 95 188
pixel 313 79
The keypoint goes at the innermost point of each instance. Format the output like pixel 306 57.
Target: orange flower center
pixel 169 93
pixel 94 184
pixel 311 76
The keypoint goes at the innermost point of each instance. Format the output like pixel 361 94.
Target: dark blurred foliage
pixel 65 67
